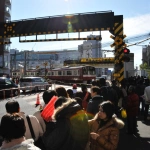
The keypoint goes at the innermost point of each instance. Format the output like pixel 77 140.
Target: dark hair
pixel 60 101
pixel 83 87
pixel 79 101
pixel 108 108
pixel 61 91
pixel 102 82
pixel 47 95
pixel 131 89
pixel 70 93
pixel 79 94
pixel 12 127
pixel 12 106
pixel 95 89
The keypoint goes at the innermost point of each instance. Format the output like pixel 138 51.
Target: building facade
pixel 5 16
pixel 26 60
pixel 92 49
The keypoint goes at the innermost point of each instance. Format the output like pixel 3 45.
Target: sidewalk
pixel 139 141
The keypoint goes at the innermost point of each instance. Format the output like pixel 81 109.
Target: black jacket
pixel 93 104
pixel 71 129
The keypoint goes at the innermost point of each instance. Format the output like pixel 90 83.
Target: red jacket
pixel 132 105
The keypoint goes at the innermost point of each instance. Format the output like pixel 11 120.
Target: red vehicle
pixel 78 74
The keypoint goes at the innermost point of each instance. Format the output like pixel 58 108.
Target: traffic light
pixel 126 51
pixel 126 57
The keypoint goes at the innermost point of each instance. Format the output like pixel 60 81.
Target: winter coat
pixel 17 145
pixel 93 105
pixel 132 105
pixel 35 124
pixel 71 128
pixel 108 134
pixel 37 114
pixel 147 95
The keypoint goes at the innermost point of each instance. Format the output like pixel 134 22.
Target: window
pixel 37 80
pixel 59 73
pixel 69 72
pixel 75 72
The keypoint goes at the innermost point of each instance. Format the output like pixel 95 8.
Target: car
pixel 9 87
pixel 33 84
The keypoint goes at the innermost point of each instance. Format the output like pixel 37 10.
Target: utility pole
pixel 25 61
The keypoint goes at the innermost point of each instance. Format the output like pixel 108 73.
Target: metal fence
pixel 5 92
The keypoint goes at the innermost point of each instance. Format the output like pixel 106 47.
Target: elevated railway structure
pixel 70 23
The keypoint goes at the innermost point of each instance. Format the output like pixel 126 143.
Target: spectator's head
pixel 102 82
pixel 61 91
pixel 83 88
pixel 70 93
pixel 95 90
pixel 12 106
pixel 60 101
pixel 106 110
pixel 79 94
pixel 47 95
pixel 74 86
pixel 79 101
pixel 114 82
pixel 131 89
pixel 94 83
pixel 12 127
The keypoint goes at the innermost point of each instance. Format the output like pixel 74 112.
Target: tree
pixel 146 68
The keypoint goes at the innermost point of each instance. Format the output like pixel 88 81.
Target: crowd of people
pixel 77 119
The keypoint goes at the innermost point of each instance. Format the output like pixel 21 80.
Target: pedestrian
pixel 86 96
pixel 93 105
pixel 13 131
pixel 132 107
pixel 13 106
pixel 74 88
pixel 47 96
pixel 71 129
pixel 104 128
pixel 139 90
pixel 147 101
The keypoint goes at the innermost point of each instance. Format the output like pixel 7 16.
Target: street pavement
pixel 140 141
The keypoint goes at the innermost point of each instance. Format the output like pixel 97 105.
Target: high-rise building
pixel 5 16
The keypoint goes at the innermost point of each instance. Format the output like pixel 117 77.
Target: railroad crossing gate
pixel 82 22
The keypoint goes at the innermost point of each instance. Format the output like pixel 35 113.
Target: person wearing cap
pixel 74 88
pixel 104 128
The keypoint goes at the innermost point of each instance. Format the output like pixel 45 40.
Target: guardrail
pixel 11 91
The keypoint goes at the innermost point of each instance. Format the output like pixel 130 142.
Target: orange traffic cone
pixel 37 100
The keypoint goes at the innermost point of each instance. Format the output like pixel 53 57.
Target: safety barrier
pixel 5 92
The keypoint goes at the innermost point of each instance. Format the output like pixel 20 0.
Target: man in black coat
pixel 93 104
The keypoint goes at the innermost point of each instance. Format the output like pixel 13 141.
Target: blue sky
pixel 136 14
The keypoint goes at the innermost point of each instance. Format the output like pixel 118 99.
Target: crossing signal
pixel 126 51
pixel 126 58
